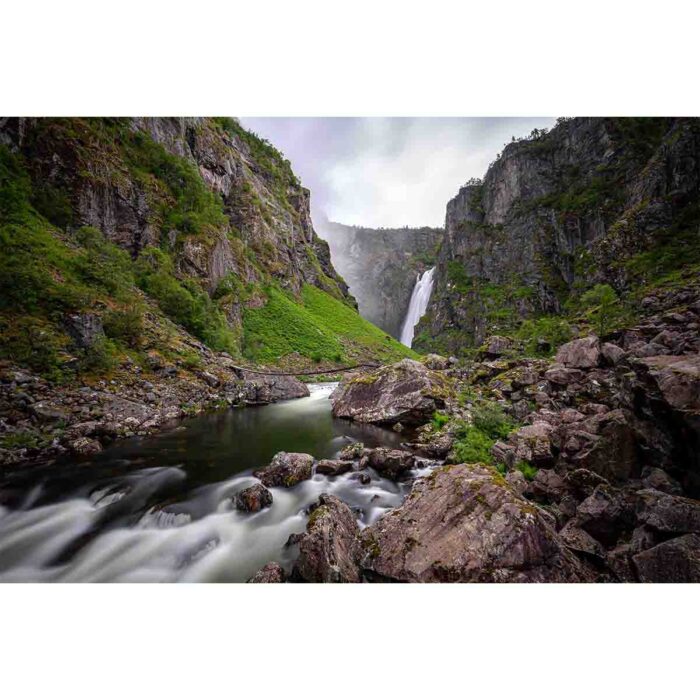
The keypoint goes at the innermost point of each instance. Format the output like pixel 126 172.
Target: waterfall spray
pixel 417 306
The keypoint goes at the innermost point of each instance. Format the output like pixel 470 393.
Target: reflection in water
pixel 159 508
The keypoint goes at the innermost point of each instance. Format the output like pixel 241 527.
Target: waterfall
pixel 417 306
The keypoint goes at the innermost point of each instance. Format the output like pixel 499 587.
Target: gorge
pixel 530 371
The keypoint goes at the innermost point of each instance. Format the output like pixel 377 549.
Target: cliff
pixel 596 201
pixel 381 266
pixel 195 220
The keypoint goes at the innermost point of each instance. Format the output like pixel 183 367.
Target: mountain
pixel 596 212
pixel 381 267
pixel 131 225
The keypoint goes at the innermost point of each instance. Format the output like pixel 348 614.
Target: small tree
pixel 602 306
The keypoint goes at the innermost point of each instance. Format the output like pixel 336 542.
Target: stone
pixel 605 515
pixel 270 573
pixel 612 354
pixel 659 480
pixel 579 541
pixel 677 378
pixel 329 550
pixel 437 362
pixel 85 329
pixel 392 464
pixel 333 467
pixel 673 561
pixel 583 353
pixel 405 392
pixel 85 446
pixel 563 376
pixel 547 486
pixel 496 346
pixel 464 523
pixel 533 444
pixel 264 389
pixel 667 513
pixel 286 469
pixel 49 413
pixel 253 499
pixel 517 481
pixel 352 451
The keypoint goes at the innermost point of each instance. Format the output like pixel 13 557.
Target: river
pixel 160 508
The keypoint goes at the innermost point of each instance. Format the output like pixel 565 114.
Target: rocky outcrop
pixel 287 469
pixel 270 573
pixel 381 267
pixel 406 392
pixel 561 211
pixel 464 523
pixel 329 550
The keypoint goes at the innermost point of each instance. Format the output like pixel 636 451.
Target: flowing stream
pixel 160 508
pixel 417 306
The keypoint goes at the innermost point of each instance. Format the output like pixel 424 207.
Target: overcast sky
pixel 388 171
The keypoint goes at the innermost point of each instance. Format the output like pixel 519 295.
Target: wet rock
pixel 465 523
pixel 406 392
pixel 605 514
pixel 329 550
pixel 253 499
pixel 352 451
pixel 390 463
pixel 85 446
pixel 333 467
pixel 583 353
pixel 363 477
pixel 264 389
pixel 270 573
pixel 673 561
pixel 286 469
pixel 667 513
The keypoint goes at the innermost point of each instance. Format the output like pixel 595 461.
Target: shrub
pixel 440 420
pixel 126 325
pixel 490 419
pixel 98 358
pixel 553 330
pixel 527 470
pixel 473 446
pixel 602 307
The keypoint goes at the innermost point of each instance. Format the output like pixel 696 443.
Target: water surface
pixel 160 508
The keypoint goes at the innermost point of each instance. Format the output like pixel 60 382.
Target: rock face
pixel 406 392
pixel 329 550
pixel 566 207
pixel 287 469
pixel 466 524
pixel 381 266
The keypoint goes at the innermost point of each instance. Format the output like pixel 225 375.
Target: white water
pixel 418 305
pixel 196 536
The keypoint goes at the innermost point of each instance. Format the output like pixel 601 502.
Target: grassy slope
pixel 320 328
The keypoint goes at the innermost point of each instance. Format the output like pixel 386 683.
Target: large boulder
pixel 264 389
pixel 583 353
pixel 406 392
pixel 677 378
pixel 605 514
pixel 329 550
pixel 667 513
pixel 673 561
pixel 465 523
pixel 390 463
pixel 286 469
pixel 334 467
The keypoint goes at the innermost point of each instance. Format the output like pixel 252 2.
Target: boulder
pixel 547 486
pixel 677 378
pixel 563 376
pixel 605 514
pixel 579 541
pixel 406 392
pixel 533 444
pixel 286 469
pixel 673 561
pixel 85 446
pixel 390 463
pixel 85 329
pixel 495 346
pixel 667 513
pixel 437 362
pixel 270 573
pixel 329 550
pixel 266 389
pixel 352 451
pixel 465 523
pixel 333 467
pixel 659 480
pixel 253 499
pixel 612 354
pixel 583 353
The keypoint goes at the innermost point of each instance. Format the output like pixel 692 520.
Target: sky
pixel 388 171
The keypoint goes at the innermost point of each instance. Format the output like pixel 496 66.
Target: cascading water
pixel 417 306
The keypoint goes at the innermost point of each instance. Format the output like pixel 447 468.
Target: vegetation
pixel 318 327
pixel 542 336
pixel 489 424
pixel 603 308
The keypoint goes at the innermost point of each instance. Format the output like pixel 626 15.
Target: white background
pixel 354 58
